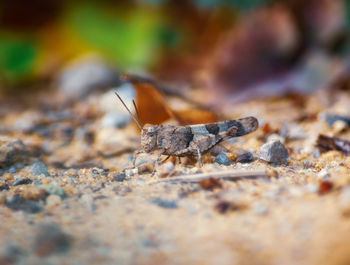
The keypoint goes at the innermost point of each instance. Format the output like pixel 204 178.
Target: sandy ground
pixel 80 211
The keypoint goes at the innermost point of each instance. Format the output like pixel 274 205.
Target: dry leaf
pixel 154 108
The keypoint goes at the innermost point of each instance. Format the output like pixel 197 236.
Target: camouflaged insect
pixel 190 140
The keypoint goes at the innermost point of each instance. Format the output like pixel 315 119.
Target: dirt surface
pixel 64 198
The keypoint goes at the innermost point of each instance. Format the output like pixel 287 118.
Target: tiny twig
pixel 232 175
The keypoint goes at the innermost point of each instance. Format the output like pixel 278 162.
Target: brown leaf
pixel 154 108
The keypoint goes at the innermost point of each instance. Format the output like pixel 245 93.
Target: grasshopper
pixel 190 140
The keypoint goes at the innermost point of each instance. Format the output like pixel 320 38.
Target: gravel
pixel 119 176
pixel 222 159
pixel 245 158
pixel 19 203
pixel 50 238
pixel 21 181
pixel 38 168
pixel 274 152
pixel 53 188
pixel 165 203
pixel 12 151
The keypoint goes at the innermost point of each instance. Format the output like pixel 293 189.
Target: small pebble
pixel 4 187
pixel 21 181
pixel 119 176
pixel 165 169
pixel 12 151
pixel 34 193
pixel 245 158
pixel 19 203
pixel 53 201
pixel 53 188
pixel 274 152
pixel 275 137
pixel 165 203
pixel 51 239
pixel 316 152
pixel 88 202
pixel 222 159
pixel 12 169
pixel 332 118
pixel 340 126
pixel 38 168
pixel 293 131
pixel 10 254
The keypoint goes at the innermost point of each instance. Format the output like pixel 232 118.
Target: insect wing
pixel 244 126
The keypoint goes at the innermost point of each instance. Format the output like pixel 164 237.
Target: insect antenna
pixel 132 116
pixel 137 111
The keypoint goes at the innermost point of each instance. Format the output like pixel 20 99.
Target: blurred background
pixel 225 47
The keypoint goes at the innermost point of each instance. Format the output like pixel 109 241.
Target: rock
pixel 53 201
pixel 12 170
pixel 4 187
pixel 38 168
pixel 28 121
pixel 274 152
pixel 21 181
pixel 88 202
pixel 19 203
pixel 340 126
pixel 34 193
pixel 222 159
pixel 332 118
pixel 245 158
pixel 275 137
pixel 53 188
pixel 166 169
pixel 293 131
pixel 99 171
pixel 119 176
pixel 85 76
pixel 51 239
pixel 115 119
pixel 165 203
pixel 12 151
pixel 10 253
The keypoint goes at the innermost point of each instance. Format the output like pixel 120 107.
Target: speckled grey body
pixel 193 140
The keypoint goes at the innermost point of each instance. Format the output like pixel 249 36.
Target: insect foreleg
pixel 156 163
pixel 137 152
